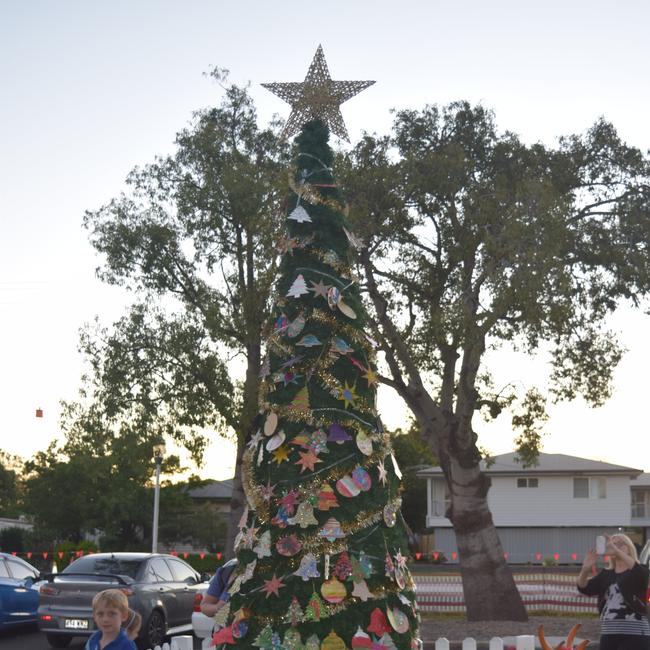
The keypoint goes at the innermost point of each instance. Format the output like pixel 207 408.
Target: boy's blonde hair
pixel 112 598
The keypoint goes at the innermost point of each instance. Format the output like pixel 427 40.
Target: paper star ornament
pixel 273 586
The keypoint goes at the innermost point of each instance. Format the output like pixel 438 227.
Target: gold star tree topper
pixel 317 97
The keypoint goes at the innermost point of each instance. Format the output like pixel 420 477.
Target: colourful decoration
pixel 263 547
pixel 341 346
pixel 224 635
pixel 383 474
pixel 265 638
pixel 378 623
pixel 288 545
pixel 347 487
pixel 332 530
pixel 308 567
pixel 281 324
pixel 333 642
pixel 386 642
pixel 309 341
pixel 390 514
pixel 364 443
pixel 305 516
pixel 342 569
pixel 333 296
pixel 327 498
pixel 292 640
pixel 300 215
pixel 337 434
pixel 294 614
pixel 315 609
pixel 348 394
pixel 281 454
pixel 312 643
pixel 298 288
pixel 281 519
pixel 398 620
pixel 361 640
pixel 361 479
pixel 300 403
pixel 307 460
pixel 275 441
pixel 296 326
pixel 271 423
pixel 371 377
pixel 345 309
pixel 239 629
pixel 361 590
pixel 320 289
pixel 333 591
pixel 273 586
pixel 267 491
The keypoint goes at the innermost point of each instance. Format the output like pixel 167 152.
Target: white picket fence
pixel 521 642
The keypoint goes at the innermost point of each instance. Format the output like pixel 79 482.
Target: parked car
pixel 18 591
pixel 160 587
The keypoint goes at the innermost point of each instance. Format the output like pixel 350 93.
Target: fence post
pixel 184 642
pixel 496 643
pixel 442 644
pixel 469 644
pixel 525 642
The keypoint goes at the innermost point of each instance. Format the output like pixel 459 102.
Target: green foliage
pixel 68 550
pixel 13 539
pixel 10 485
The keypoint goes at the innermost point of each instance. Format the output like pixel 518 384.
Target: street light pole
pixel 159 451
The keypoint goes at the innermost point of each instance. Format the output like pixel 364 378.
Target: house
pixel 216 493
pixel 553 510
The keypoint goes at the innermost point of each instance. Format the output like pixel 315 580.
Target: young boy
pixel 110 611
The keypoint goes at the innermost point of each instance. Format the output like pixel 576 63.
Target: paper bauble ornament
pixel 378 623
pixel 288 545
pixel 281 324
pixel 390 514
pixel 364 443
pixel 271 423
pixel 361 640
pixel 332 530
pixel 398 619
pixel 275 441
pixel 296 326
pixel 305 516
pixel 333 296
pixel 263 547
pixel 347 487
pixel 333 591
pixel 239 629
pixel 333 642
pixel 300 215
pixel 344 308
pixel 361 479
pixel 400 578
pixel 308 567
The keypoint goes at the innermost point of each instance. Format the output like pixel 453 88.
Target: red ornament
pixel 39 413
pixel 224 635
pixel 378 622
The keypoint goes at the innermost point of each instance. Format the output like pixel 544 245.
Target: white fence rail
pixel 184 642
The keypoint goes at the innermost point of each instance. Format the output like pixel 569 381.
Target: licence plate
pixel 76 623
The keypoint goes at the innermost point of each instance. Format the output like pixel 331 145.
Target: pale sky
pixel 91 89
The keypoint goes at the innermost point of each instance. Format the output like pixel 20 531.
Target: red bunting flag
pixel 219 555
pixel 201 555
pixel 538 556
pixel 44 554
pixel 418 555
pixel 29 555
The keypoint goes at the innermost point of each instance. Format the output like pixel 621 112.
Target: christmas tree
pixel 322 547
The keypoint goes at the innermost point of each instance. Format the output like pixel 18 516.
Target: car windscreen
pixel 111 565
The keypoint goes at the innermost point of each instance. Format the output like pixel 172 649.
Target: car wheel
pixel 58 641
pixel 155 630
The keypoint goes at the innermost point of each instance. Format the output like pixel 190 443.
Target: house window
pixel 639 510
pixel 440 498
pixel 580 488
pixel 589 488
pixel 527 483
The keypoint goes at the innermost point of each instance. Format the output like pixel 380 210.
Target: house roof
pixel 643 480
pixel 546 464
pixel 213 490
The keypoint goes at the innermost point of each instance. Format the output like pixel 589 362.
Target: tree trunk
pixel 237 500
pixel 488 586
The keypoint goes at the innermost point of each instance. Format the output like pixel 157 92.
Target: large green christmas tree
pixel 322 547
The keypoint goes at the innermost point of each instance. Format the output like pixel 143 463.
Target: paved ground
pixel 29 638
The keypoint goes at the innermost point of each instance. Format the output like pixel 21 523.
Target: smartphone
pixel 600 545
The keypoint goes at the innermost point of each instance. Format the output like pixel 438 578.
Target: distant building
pixel 217 493
pixel 557 507
pixel 23 524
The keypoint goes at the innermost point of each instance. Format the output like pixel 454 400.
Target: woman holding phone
pixel 621 590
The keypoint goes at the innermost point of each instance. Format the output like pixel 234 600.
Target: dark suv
pixel 160 587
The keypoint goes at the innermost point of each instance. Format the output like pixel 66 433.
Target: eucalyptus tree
pixel 473 240
pixel 193 238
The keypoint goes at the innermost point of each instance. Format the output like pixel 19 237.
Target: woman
pixel 621 590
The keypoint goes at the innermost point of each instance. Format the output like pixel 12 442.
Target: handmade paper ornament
pixel 273 586
pixel 299 214
pixel 386 642
pixel 390 514
pixel 341 346
pixel 307 460
pixel 305 516
pixel 400 560
pixel 317 441
pixel 271 423
pixel 345 309
pixel 343 568
pixel 292 640
pixel 333 642
pixel 288 546
pixel 224 635
pixel 296 326
pixel 332 530
pixel 292 361
pixel 400 578
pixel 294 615
pixel 281 454
pixel 398 471
pixel 355 242
pixel 398 620
pixel 383 474
pixel 366 565
pixel 330 257
pixel 361 478
pixel 338 434
pixel 320 289
pixel 361 590
pixel 281 519
pixel 308 567
pixel 364 443
pixel 348 394
pixel 347 487
pixel 289 501
pixel 309 341
pixel 250 535
pixel 255 439
pixel 378 623
pixel 361 639
pixel 333 296
pixel 404 600
pixel 275 441
pixel 239 629
pixel 264 638
pixel 243 518
pixel 249 571
pixel 263 546
pixel 281 324
pixel 390 567
pixel 333 591
pixel 312 643
pixel 315 610
pixel 327 498
pixel 300 403
pixel 298 288
pixel 326 571
pixel 267 491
